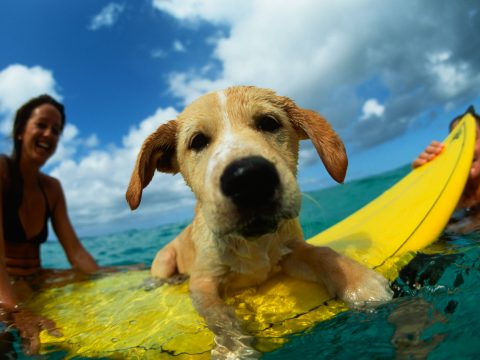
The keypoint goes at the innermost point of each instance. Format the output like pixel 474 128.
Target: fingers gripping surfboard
pixel 118 316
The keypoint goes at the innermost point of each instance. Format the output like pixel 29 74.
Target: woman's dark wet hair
pixel 25 112
pixel 471 111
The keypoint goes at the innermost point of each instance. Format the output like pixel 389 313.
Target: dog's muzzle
pixel 252 183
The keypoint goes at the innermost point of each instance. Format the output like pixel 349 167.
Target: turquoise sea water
pixel 436 320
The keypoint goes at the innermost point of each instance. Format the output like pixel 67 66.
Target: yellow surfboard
pixel 118 316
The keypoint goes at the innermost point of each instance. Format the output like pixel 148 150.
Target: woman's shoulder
pixel 49 181
pixel 51 185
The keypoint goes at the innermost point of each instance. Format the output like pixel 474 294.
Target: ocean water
pixel 434 314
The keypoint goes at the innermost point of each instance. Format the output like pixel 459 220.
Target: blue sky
pixel 388 75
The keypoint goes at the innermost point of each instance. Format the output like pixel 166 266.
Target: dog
pixel 237 150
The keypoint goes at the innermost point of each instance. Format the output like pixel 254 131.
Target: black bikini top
pixel 13 231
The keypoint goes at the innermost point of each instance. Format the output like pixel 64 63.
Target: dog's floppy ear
pixel 311 125
pixel 157 152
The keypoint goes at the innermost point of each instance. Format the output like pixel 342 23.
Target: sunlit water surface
pixel 435 314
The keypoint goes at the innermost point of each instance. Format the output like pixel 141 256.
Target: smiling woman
pixel 29 198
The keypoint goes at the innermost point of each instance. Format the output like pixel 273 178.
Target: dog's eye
pixel 199 142
pixel 267 123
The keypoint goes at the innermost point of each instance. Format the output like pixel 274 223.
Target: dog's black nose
pixel 250 182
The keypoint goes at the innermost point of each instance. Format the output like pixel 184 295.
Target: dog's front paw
pixel 240 354
pixel 234 348
pixel 152 283
pixel 368 287
pixel 373 289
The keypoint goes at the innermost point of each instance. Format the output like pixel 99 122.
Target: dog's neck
pixel 237 254
pixel 250 256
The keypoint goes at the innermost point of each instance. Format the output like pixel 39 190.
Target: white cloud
pixel 107 17
pixel 70 145
pixel 265 49
pixel 204 10
pixel 67 146
pixel 189 86
pixel 178 46
pixel 70 132
pixel 451 78
pixel 321 53
pixel 91 141
pixel 19 83
pixel 307 155
pixel 372 108
pixel 134 139
pixel 159 54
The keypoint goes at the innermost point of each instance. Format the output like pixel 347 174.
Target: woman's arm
pixel 8 300
pixel 77 255
pixel 27 323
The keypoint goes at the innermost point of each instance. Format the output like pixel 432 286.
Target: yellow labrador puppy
pixel 237 150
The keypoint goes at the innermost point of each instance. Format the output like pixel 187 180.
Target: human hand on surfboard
pixel 431 152
pixel 29 325
pixel 435 148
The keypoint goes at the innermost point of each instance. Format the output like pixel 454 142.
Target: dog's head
pixel 238 150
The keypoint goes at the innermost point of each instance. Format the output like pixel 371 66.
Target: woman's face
pixel 41 134
pixel 475 169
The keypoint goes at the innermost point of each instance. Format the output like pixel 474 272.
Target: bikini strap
pixel 48 212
